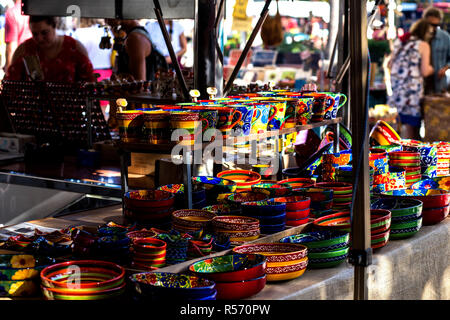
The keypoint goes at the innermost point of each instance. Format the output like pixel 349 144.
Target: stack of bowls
pixel 94 280
pixel 192 220
pixel 332 161
pixel 177 246
pixel 298 182
pixel 214 187
pixel 342 193
pixel 321 200
pixel 165 286
pixel 380 222
pixel 244 178
pixel 428 156
pixel 285 261
pixel 149 253
pixel 237 228
pixel 272 190
pixel 406 218
pixel 408 161
pixel 198 195
pixel 236 200
pixel 19 274
pixel 149 207
pixel 271 215
pixel 237 276
pixel 435 202
pixel 378 160
pixel 297 209
pixel 443 158
pixel 325 248
pixel 390 147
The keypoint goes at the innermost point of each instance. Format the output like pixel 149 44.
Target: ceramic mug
pixel 279 114
pixel 304 110
pixel 156 127
pixel 334 102
pixel 189 121
pixel 290 113
pixel 319 105
pixel 208 117
pixel 228 118
pixel 130 125
pixel 243 126
pixel 261 118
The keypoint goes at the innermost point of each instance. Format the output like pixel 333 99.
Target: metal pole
pixel 172 54
pixel 361 253
pixel 248 45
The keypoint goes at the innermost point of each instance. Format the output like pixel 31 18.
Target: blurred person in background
pixel 61 58
pixel 410 63
pixel 177 38
pixel 17 30
pixel 440 50
pixel 90 34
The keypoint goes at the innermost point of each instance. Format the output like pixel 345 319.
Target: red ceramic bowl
pixel 377 154
pixel 433 216
pixel 150 245
pixel 412 169
pixel 299 222
pixel 228 269
pixel 141 199
pixel 298 182
pixel 240 289
pixel 403 155
pixel 380 220
pixel 379 240
pixel 299 214
pixel 149 256
pixel 275 252
pixel 295 203
pixel 404 163
pixel 235 223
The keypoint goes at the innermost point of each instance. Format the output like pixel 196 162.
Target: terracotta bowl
pixel 320 241
pixel 141 199
pixel 240 289
pixel 433 216
pixel 297 215
pixel 273 189
pixel 230 268
pixel 235 223
pixel 172 285
pixel 294 203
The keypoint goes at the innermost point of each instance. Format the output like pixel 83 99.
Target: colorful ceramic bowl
pixel 275 252
pixel 236 290
pixel 380 220
pixel 383 134
pixel 144 199
pixel 239 236
pixel 215 184
pixel 139 234
pixel 442 183
pixel 433 216
pixel 430 198
pixel 337 187
pixel 230 268
pixel 298 182
pixel 315 194
pixel 399 207
pixel 165 285
pixel 379 240
pixel 403 155
pixel 294 203
pixel 399 233
pixel 22 266
pixel 404 163
pixel 272 189
pixel 321 257
pixel 298 215
pixel 288 271
pixel 244 178
pixel 235 223
pixel 320 241
pixel 66 294
pixel 238 198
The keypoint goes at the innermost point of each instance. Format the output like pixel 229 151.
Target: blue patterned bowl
pixel 172 285
pixel 214 184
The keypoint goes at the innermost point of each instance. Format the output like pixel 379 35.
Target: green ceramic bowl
pixel 407 224
pixel 405 233
pixel 328 254
pixel 320 241
pixel 399 207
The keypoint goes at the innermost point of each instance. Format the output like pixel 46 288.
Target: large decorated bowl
pixel 442 183
pixel 320 241
pixel 230 268
pixel 166 285
pixel 192 218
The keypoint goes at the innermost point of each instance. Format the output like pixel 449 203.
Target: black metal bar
pixel 219 13
pixel 173 57
pixel 187 178
pixel 341 73
pixel 333 53
pixel 219 53
pixel 360 210
pixel 248 45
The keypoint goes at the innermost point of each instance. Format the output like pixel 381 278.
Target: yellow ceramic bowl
pixel 284 263
pixel 285 276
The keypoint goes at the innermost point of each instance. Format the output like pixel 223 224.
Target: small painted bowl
pixel 174 285
pixel 230 268
pixel 236 290
pixel 399 207
pixel 235 223
pixel 241 197
pixel 192 218
pixel 272 189
pixel 215 184
pixel 142 199
pixel 287 272
pixel 315 194
pixel 430 198
pixel 297 215
pixel 433 216
pixel 320 241
pixel 298 182
pixel 263 208
pixel 294 203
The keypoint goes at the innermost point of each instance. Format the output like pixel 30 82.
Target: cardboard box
pixel 14 142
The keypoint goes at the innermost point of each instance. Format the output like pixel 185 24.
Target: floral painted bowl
pixel 142 199
pixel 399 207
pixel 442 183
pixel 235 223
pixel 298 182
pixel 242 289
pixel 165 285
pixel 230 268
pixel 430 198
pixel 435 215
pixel 244 178
pixel 263 208
pixel 272 189
pixel 294 203
pixel 22 266
pixel 320 241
